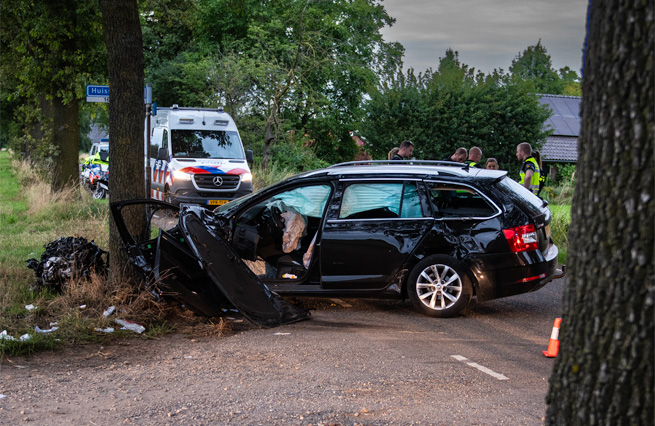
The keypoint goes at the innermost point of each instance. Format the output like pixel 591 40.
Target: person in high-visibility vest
pixel 530 172
pixel 475 155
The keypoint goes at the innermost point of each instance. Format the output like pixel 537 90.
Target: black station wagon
pixel 436 233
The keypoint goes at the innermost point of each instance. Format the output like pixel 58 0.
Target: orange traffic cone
pixel 553 345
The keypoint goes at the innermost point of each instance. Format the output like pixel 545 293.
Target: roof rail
pixel 398 162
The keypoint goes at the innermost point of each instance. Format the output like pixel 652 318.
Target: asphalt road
pixel 356 362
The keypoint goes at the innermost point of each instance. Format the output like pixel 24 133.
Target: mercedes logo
pixel 218 181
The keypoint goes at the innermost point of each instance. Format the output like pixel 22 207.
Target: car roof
pixel 419 168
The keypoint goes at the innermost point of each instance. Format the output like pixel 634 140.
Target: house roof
pixel 565 120
pixel 560 149
pixel 562 145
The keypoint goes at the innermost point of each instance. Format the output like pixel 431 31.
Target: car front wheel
pixel 438 287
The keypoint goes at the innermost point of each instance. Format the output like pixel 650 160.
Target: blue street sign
pixel 97 93
pixel 101 94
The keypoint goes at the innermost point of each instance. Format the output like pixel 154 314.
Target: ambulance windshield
pixel 206 144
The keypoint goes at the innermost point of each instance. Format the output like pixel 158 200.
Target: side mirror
pixel 249 156
pixel 162 154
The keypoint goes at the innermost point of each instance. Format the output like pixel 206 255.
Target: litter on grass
pixel 129 325
pixel 50 330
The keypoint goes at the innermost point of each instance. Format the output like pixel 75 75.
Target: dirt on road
pixel 354 363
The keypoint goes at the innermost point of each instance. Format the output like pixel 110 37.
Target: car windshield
pixel 206 144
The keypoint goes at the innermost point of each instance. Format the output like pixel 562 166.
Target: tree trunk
pixel 126 119
pixel 603 374
pixel 66 139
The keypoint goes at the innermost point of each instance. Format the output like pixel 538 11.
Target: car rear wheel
pixel 438 287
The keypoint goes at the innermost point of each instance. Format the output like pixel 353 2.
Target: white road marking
pixel 480 367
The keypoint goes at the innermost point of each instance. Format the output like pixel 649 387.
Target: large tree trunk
pixel 604 371
pixel 126 118
pixel 66 139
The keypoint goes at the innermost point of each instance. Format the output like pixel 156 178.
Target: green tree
pixel 308 65
pixel 534 65
pixel 571 81
pixel 54 48
pixel 452 107
pixel 176 60
pixel 604 373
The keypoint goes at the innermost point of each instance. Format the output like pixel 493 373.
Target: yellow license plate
pixel 216 202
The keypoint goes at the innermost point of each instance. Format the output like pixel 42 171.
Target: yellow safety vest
pixel 534 180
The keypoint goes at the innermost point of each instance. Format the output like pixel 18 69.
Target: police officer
pixel 475 155
pixel 530 172
pixel 405 151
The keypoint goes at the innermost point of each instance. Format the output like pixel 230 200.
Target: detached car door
pixel 370 230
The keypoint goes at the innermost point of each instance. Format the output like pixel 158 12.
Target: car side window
pixel 380 201
pixel 411 207
pixel 453 201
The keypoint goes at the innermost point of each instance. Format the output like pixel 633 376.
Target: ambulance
pixel 196 156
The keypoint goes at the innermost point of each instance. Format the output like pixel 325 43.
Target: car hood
pixel 194 263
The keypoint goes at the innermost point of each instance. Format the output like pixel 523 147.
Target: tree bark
pixel 66 139
pixel 126 120
pixel 603 374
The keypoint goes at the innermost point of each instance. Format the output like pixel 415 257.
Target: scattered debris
pixel 129 325
pixel 110 310
pixel 30 307
pixel 5 336
pixel 82 306
pixel 281 334
pixel 65 259
pixel 105 330
pixel 50 330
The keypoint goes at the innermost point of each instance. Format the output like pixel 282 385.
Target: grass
pixel 31 216
pixel 559 228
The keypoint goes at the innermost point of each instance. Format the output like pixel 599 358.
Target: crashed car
pixel 436 233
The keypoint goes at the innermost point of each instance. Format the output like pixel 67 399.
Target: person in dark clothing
pixel 475 155
pixel 459 155
pixel 405 151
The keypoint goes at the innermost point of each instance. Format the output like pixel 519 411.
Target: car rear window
pixel 520 195
pixel 458 201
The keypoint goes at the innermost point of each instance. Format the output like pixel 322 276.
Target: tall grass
pixel 31 216
pixel 559 228
pixel 274 172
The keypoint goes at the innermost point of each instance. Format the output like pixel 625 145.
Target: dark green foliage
pixel 441 111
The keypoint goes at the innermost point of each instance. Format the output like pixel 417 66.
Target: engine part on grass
pixel 65 259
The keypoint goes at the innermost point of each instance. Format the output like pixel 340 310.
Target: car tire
pixel 439 287
pixel 99 193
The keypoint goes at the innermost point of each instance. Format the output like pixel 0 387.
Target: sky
pixel 488 34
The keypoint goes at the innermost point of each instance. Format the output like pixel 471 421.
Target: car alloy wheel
pixel 438 288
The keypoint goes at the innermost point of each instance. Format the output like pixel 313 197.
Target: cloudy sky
pixel 487 34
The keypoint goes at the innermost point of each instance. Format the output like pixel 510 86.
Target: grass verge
pixel 31 216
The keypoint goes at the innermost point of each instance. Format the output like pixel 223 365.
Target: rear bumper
pixel 502 275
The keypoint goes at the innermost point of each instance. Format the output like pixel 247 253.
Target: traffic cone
pixel 553 345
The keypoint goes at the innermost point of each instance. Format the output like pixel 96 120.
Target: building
pixel 562 145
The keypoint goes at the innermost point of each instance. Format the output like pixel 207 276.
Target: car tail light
pixel 522 238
